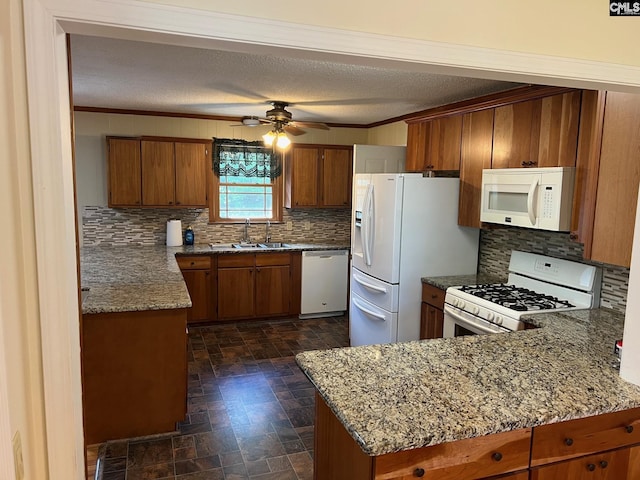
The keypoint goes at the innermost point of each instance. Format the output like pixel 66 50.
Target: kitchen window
pixel 247 182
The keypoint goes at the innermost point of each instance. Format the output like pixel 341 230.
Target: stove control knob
pixel 475 310
pixel 453 302
pixel 498 320
pixel 461 304
pixel 490 316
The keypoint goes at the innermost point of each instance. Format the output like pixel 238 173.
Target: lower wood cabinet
pixel 200 279
pixel 258 285
pixel 134 373
pixel 431 312
pixel 602 447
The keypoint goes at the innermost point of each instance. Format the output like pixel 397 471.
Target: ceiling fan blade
pixel 293 130
pixel 322 126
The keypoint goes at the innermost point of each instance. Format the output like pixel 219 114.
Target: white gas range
pixel 536 284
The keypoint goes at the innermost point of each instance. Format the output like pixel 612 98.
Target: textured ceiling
pixel 125 74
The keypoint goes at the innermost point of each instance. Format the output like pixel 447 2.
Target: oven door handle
pixel 482 326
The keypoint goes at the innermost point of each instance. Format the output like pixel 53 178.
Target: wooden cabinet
pixel 134 373
pixel 432 315
pixel 603 447
pixel 537 133
pixel 318 176
pixel 258 285
pixel 434 145
pixel 197 273
pixel 157 172
pixel 476 151
pixel 338 457
pixel 608 175
pixel 124 172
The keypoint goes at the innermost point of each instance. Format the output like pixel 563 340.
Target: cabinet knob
pixel 497 456
pixel 591 467
pixel 524 164
pixel 628 429
pixel 434 295
pixel 573 236
pixel 418 472
pixel 604 464
pixel 177 203
pixel 568 442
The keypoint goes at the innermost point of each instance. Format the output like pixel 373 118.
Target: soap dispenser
pixel 189 236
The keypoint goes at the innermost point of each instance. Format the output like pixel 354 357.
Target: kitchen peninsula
pixel 467 407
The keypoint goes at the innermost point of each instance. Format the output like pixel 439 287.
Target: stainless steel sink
pixel 274 245
pixel 245 245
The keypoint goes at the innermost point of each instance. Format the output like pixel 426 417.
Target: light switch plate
pixel 17 456
pixel 289 225
pixel 307 225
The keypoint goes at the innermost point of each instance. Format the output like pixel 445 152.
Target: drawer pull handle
pixel 568 442
pixel 629 428
pixel 591 467
pixel 418 472
pixel 497 456
pixel 434 295
pixel 604 464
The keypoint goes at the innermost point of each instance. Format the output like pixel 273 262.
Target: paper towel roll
pixel 174 233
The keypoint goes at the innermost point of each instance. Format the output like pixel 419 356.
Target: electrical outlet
pixel 289 225
pixel 17 456
pixel 307 225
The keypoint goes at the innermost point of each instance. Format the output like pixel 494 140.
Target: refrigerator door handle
pixel 368 285
pixel 369 214
pixel 368 312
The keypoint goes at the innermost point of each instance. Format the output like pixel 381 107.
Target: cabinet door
pixel 511 476
pixel 199 286
pixel 236 293
pixel 431 322
pixel 337 167
pixel 272 290
pixel 477 140
pixel 158 173
pixel 125 178
pixel 418 135
pixel 512 147
pixel 191 174
pixel 555 129
pixel 601 466
pixel 444 147
pixel 618 180
pixel 303 177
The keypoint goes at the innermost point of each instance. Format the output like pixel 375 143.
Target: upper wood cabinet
pixel 537 133
pixel 318 176
pixel 162 172
pixel 477 134
pixel 124 172
pixel 434 145
pixel 608 175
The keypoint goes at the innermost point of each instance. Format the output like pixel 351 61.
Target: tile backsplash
pixel 137 226
pixel 107 226
pixel 495 252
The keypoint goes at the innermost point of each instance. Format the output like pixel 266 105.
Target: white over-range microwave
pixel 528 197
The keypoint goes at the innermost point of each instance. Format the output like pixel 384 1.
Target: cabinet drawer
pixel 433 296
pixel 236 260
pixel 462 460
pixel 584 436
pixel 265 259
pixel 198 262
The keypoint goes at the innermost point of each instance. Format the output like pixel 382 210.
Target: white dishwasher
pixel 324 283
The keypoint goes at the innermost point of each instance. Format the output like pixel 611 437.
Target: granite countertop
pixel 409 395
pixel 456 280
pixel 136 278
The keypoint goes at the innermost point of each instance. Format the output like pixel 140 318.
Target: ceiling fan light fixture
pixel 250 122
pixel 282 141
pixel 269 138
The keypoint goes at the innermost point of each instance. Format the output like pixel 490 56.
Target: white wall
pixel 391 134
pixel 571 28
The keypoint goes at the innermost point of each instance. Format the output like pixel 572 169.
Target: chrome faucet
pixel 246 238
pixel 267 236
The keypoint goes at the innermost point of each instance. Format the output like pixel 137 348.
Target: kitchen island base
pixel 134 373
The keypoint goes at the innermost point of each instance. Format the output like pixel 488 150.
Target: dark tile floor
pixel 250 408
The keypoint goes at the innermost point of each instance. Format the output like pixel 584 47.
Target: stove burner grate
pixel 515 298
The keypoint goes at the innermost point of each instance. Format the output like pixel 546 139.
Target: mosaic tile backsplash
pixel 495 252
pixel 107 226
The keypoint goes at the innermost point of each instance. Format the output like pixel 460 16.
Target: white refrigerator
pixel 404 227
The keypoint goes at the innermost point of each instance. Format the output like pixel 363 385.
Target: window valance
pixel 240 158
